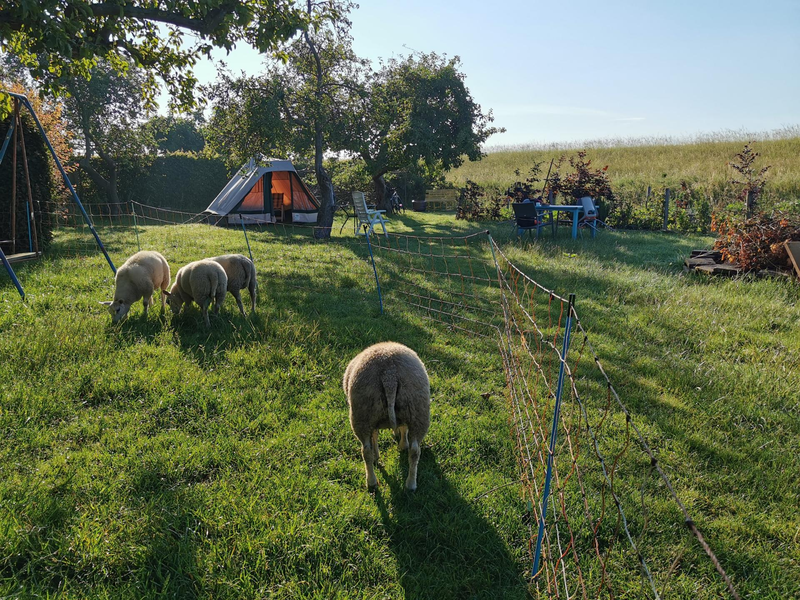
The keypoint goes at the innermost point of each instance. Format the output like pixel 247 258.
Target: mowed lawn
pixel 160 459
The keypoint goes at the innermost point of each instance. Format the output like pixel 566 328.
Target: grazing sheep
pixel 387 387
pixel 201 281
pixel 241 274
pixel 138 277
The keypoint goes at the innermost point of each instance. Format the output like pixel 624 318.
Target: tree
pixel 61 39
pixel 107 110
pixel 176 134
pixel 417 109
pixel 299 108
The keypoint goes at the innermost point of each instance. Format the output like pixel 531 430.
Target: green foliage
pixel 176 134
pixel 108 110
pixel 418 109
pixel 63 40
pixel 582 181
pixel 475 204
pixel 46 194
pixel 180 181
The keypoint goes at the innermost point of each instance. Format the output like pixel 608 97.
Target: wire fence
pixel 603 518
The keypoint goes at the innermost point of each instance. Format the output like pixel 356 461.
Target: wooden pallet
pixel 793 250
pixel 709 262
pixel 23 256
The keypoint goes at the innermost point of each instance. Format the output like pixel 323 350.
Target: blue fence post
pixel 552 449
pixel 66 179
pixel 11 273
pixel 374 269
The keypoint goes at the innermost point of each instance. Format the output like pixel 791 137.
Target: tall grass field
pixel 633 166
pixel 160 459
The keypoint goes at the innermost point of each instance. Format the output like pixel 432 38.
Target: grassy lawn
pixel 161 459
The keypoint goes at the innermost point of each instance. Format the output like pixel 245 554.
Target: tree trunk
pixel 107 186
pixel 325 218
pixel 381 201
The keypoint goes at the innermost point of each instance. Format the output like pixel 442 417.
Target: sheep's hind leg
pixel 147 299
pixel 413 460
pixel 376 454
pixel 204 307
pixel 238 297
pixel 369 459
pixel 402 443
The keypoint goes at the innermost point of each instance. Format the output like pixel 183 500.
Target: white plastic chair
pixel 366 216
pixel 589 217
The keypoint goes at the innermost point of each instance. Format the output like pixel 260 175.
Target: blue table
pixel 575 209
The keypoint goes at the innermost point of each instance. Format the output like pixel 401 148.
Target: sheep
pixel 201 281
pixel 387 387
pixel 138 277
pixel 241 274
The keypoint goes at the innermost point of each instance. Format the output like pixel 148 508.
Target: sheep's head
pixel 118 310
pixel 174 301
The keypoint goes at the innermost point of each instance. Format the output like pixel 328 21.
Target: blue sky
pixel 579 70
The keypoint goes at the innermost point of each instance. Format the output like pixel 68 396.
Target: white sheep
pixel 241 274
pixel 138 277
pixel 387 387
pixel 201 281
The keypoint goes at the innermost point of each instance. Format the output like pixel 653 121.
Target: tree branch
pixel 202 26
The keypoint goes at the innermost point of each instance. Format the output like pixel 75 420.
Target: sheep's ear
pixel 107 303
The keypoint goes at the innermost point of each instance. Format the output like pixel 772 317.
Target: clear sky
pixel 575 70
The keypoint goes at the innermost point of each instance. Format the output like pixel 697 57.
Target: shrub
pixel 475 204
pixel 757 243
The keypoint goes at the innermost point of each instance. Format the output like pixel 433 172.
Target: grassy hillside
pixel 158 459
pixel 632 168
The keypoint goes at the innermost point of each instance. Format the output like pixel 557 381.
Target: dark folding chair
pixel 528 217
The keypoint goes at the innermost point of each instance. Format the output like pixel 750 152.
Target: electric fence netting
pixel 604 519
pixel 279 250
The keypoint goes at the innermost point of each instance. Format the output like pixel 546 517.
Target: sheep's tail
pixel 389 381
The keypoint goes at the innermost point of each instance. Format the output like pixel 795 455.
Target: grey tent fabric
pixel 265 191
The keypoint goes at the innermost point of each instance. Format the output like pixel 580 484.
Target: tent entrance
pixel 282 196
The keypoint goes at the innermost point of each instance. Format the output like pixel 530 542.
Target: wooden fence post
pixel 647 197
pixel 666 209
pixel 749 203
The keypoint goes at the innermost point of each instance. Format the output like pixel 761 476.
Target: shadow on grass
pixel 443 547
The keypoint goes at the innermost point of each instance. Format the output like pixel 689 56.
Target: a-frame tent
pixel 265 191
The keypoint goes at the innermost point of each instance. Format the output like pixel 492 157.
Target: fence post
pixel 552 448
pixel 647 197
pixel 374 269
pixel 750 203
pixel 135 226
pixel 666 210
pixel 250 252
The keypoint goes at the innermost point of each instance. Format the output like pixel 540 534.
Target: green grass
pixel 161 459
